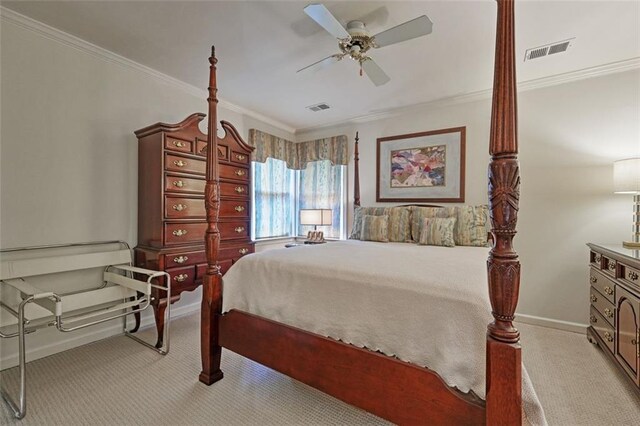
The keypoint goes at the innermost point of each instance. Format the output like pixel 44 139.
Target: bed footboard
pixel 395 390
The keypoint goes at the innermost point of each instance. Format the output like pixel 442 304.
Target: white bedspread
pixel 424 304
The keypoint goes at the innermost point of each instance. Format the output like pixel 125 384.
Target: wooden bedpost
pixel 504 365
pixel 212 283
pixel 356 175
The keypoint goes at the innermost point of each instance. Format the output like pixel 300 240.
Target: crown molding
pixel 539 83
pixel 84 46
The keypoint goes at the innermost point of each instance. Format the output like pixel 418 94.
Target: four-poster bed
pixel 395 390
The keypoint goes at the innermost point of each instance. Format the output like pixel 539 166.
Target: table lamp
pixel 626 180
pixel 315 217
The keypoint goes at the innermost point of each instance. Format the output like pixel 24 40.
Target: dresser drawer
pixel 609 266
pixel 239 157
pixel 234 209
pixel 182 184
pixel 185 165
pixel 603 284
pixel 234 190
pixel 223 150
pixel 236 251
pixel 184 258
pixel 603 328
pixel 201 269
pixel 630 275
pixel 184 208
pixel 181 233
pixel 595 259
pixel 233 230
pixel 182 278
pixel 234 172
pixel 175 144
pixel 603 306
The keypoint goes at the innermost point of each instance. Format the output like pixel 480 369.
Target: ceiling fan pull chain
pixel 360 69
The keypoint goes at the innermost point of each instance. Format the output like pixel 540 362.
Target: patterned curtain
pixel 321 187
pixel 274 193
pixel 298 155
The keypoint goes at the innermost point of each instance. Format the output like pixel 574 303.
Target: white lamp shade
pixel 321 217
pixel 626 176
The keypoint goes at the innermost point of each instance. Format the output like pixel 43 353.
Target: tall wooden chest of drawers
pixel 614 277
pixel 171 212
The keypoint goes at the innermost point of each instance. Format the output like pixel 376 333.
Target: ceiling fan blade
pixel 375 73
pixel 322 64
pixel 411 29
pixel 324 18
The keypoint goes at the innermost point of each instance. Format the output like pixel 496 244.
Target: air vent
pixel 318 107
pixel 549 49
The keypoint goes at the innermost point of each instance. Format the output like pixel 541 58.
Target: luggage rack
pixel 25 307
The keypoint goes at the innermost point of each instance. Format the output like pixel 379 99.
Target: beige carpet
pixel 119 382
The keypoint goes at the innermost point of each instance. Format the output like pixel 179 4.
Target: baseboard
pixel 573 327
pixel 75 339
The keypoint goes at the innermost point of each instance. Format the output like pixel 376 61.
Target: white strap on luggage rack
pixel 24 307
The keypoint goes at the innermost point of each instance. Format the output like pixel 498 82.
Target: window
pixel 274 199
pixel 279 194
pixel 322 186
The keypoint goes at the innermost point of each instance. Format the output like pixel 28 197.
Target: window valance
pixel 297 155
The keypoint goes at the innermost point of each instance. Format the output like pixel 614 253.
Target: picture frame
pixel 421 167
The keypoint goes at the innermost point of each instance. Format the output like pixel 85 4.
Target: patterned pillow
pixel 471 226
pixel 399 222
pixel 375 228
pixel 438 231
pixel 420 213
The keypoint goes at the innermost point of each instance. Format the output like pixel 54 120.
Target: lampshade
pixel 319 217
pixel 626 176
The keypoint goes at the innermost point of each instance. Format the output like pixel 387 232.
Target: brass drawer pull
pixel 180 163
pixel 633 276
pixel 608 312
pixel 597 258
pixel 239 209
pixel 239 229
pixel 179 232
pixel 593 318
pixel 634 342
pixel 179 144
pixel 611 266
pixel 179 207
pixel 608 290
pixel 243 251
pixel 179 184
pixel 240 157
pixel 594 299
pixel 608 336
pixel 593 280
pixel 240 172
pixel 180 259
pixel 181 277
pixel 239 189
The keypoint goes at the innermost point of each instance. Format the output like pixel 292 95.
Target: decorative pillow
pixel 438 231
pixel 399 222
pixel 357 219
pixel 375 228
pixel 420 213
pixel 471 226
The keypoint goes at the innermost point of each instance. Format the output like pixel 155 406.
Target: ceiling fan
pixel 355 42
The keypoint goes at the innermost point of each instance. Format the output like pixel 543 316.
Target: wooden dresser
pixel 615 305
pixel 171 212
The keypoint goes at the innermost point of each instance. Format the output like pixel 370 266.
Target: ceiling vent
pixel 318 107
pixel 549 49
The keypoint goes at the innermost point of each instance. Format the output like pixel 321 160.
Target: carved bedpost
pixel 504 365
pixel 356 175
pixel 212 283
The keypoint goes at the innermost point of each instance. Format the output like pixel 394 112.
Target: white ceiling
pixel 261 44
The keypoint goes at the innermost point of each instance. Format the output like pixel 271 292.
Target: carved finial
pixel 213 51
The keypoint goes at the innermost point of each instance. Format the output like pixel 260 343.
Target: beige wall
pixel 68 167
pixel 569 137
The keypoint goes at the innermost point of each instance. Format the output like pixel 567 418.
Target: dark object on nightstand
pixel 615 306
pixel 171 210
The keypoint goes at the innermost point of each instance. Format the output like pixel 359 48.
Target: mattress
pixel 426 305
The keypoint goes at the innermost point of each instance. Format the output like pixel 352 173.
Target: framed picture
pixel 418 167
